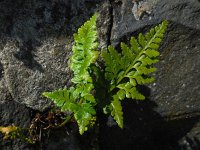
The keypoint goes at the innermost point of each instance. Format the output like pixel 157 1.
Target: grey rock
pixel 140 8
pixel 27 73
pixel 104 24
pixel 182 12
pixel 177 80
pixel 36 44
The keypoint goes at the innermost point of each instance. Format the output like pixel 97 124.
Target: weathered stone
pixel 27 75
pixel 181 12
pixel 34 54
pixel 62 140
pixel 176 90
pixel 104 24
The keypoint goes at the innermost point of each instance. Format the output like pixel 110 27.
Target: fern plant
pixel 105 87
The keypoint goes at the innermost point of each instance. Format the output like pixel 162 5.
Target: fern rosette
pixel 123 72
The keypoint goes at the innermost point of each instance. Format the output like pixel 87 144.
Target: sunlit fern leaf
pixel 135 47
pixel 130 91
pixel 79 99
pixel 84 113
pixel 131 67
pixel 84 91
pixel 85 116
pixel 134 61
pixel 128 55
pixel 84 51
pixel 116 111
pixel 142 40
pixel 112 62
pixel 62 98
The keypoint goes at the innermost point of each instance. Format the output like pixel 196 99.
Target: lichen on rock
pixel 142 7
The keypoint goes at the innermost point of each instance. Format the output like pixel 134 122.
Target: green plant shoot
pixel 105 87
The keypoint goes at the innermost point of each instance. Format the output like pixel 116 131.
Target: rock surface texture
pixel 35 44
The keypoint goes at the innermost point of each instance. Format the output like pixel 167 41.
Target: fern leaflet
pixel 116 111
pixel 84 53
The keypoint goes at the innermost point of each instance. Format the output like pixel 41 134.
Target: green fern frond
pixel 84 113
pixel 131 67
pixel 78 99
pixel 84 51
pixel 85 116
pixel 116 111
pixel 134 63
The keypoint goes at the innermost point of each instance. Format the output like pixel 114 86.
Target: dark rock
pixel 64 139
pixel 145 129
pixel 192 139
pixel 27 73
pixel 181 12
pixel 177 80
pixel 16 114
pixel 1 70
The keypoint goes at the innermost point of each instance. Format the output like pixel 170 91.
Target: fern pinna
pixel 123 72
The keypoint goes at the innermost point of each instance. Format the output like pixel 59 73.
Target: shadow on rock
pixel 40 21
pixel 144 128
pixel 1 70
pixel 27 57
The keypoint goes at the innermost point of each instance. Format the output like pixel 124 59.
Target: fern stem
pixel 66 120
pixel 136 59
